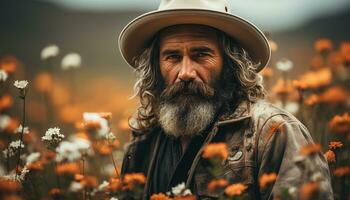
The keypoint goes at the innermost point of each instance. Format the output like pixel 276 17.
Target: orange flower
pixel 336 58
pixel 55 192
pixel 335 144
pixel 160 196
pixel 218 150
pixel 235 189
pixel 340 124
pixel 9 185
pixel 9 64
pixel 123 125
pixel 216 184
pixel 12 126
pixel 267 72
pixel 323 45
pixel 103 148
pixel 345 51
pixel 308 190
pixel 334 95
pixel 317 78
pixel 310 149
pixel 134 178
pixel 341 171
pixel 266 179
pixel 5 102
pixel 67 168
pixel 43 82
pixel 115 184
pixel 330 156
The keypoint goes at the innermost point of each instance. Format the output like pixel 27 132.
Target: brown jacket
pixel 261 139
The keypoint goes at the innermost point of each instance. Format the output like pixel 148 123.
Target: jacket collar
pixel 243 111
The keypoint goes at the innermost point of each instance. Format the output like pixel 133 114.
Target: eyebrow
pixel 202 49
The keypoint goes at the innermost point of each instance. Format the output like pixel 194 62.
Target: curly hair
pixel 240 80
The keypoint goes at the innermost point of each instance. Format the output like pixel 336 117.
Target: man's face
pixel 190 53
pixel 190 63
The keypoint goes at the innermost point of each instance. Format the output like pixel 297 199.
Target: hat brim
pixel 138 33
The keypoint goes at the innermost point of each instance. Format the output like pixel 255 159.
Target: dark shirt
pixel 171 164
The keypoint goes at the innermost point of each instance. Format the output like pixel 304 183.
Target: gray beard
pixel 186 120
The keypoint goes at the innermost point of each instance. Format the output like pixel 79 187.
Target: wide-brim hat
pixel 137 34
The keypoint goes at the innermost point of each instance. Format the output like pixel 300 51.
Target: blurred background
pixel 67 50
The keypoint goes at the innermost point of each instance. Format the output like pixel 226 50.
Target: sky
pixel 273 15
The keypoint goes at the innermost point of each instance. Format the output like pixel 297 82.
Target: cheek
pixel 167 71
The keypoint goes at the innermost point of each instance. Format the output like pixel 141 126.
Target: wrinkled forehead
pixel 188 30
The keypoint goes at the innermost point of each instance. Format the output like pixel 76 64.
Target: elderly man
pixel 198 83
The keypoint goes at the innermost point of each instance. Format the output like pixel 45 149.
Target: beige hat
pixel 214 13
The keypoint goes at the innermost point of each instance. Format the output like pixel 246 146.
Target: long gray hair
pixel 239 80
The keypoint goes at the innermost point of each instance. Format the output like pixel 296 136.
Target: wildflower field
pixel 53 146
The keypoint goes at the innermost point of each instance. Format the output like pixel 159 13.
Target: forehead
pixel 188 33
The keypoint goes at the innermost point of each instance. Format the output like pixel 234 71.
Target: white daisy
pixel 284 65
pixel 72 60
pixel 21 84
pixel 3 75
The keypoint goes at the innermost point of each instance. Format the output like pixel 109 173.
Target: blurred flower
pixel 345 52
pixel 3 75
pixel 89 182
pixel 103 186
pixel 43 82
pixel 186 197
pixel 267 72
pixel 330 156
pixel 5 102
pixel 341 171
pixel 49 51
pixel 160 196
pixel 72 151
pixel 21 84
pixel 340 124
pixel 9 64
pixel 292 107
pixel 335 144
pixel 215 150
pixel 334 95
pixel 95 121
pixel 36 166
pixel 133 179
pixel 123 125
pixel 52 137
pixel 336 58
pixel 71 60
pixel 78 177
pixel 310 149
pixel 308 190
pixel 235 189
pixel 106 115
pixel 317 78
pixel 67 169
pixel 9 185
pixel 284 65
pixel 8 124
pixel 323 45
pixel 216 184
pixel 180 190
pixel 267 179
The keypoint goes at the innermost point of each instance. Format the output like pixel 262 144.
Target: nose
pixel 187 71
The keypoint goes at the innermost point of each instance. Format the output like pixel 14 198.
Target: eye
pixel 173 57
pixel 201 54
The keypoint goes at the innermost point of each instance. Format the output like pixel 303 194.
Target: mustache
pixel 187 88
